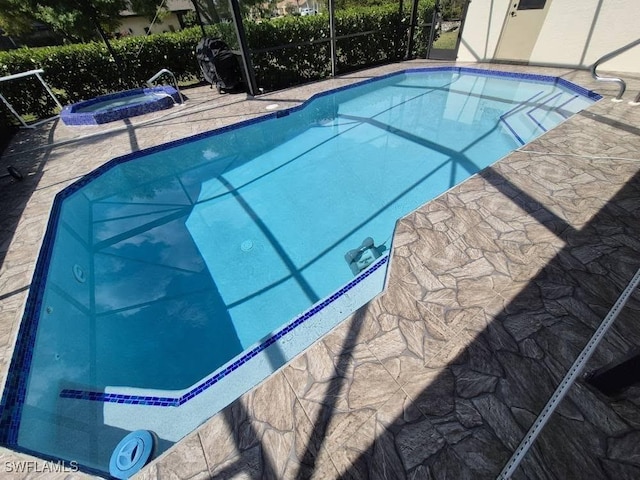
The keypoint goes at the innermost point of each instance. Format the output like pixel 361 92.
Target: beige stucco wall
pixel 575 33
pixel 579 32
pixel 482 29
pixel 179 5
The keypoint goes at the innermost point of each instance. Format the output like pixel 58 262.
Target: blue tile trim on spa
pixel 71 116
pixel 16 383
pixel 177 401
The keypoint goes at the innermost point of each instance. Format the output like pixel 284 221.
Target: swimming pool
pixel 137 248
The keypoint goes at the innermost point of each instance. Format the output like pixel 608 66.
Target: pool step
pixel 539 113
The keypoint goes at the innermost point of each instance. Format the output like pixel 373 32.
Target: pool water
pixel 167 265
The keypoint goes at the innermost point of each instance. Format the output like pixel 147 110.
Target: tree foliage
pixel 75 20
pixel 149 8
pixel 344 4
pixel 82 71
pixel 214 11
pixel 14 17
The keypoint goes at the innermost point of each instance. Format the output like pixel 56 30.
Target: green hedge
pixel 83 71
pixel 7 129
pixel 284 67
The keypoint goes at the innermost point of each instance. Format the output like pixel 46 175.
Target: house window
pixel 531 4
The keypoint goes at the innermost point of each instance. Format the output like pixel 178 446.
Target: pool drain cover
pixel 131 454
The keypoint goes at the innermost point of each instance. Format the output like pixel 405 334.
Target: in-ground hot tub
pixel 116 106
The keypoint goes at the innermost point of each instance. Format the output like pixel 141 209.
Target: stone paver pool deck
pixel 494 289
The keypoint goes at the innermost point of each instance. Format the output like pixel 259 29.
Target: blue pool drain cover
pixel 131 454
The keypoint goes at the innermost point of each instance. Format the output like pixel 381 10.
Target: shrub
pixel 83 71
pixel 7 129
pixel 286 66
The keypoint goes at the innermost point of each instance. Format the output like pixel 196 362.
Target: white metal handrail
pixel 617 80
pixel 44 84
pixel 162 72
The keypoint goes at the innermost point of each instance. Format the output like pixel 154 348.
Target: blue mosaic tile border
pixel 71 116
pixel 15 388
pixel 14 393
pixel 530 76
pixel 177 401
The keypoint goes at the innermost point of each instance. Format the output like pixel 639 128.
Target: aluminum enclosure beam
pixel 247 65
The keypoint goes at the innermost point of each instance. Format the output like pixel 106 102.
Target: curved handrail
pixel 173 77
pixel 609 56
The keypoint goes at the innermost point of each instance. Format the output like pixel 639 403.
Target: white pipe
pixel 44 84
pixel 20 75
